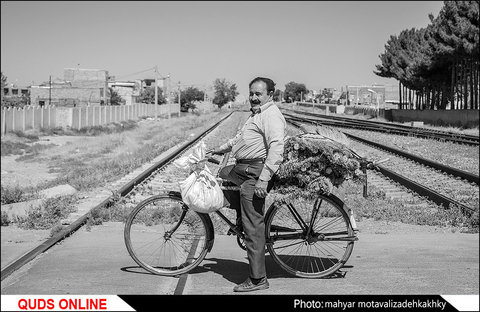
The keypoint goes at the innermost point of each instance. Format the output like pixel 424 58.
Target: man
pixel 258 150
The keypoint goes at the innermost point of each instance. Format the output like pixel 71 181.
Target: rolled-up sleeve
pixel 275 131
pixel 227 147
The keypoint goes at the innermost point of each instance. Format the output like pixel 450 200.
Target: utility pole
pixel 156 91
pixel 50 92
pixel 105 88
pixel 179 94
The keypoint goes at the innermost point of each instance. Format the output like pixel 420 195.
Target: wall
pixel 204 107
pixel 86 78
pixel 82 96
pixel 36 117
pixel 30 117
pixel 466 118
pixel 332 108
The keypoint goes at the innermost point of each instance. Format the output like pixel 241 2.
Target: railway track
pixel 445 186
pixel 468 176
pixel 384 127
pixel 149 182
pixel 163 176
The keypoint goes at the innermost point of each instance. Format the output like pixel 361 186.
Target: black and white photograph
pixel 309 155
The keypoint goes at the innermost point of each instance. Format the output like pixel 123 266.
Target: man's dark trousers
pixel 252 210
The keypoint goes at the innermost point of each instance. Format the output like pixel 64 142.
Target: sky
pixel 323 44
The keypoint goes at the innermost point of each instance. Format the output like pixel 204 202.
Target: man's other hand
pixel 261 188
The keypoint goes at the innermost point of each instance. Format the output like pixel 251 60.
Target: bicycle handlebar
pixel 213 160
pixel 372 164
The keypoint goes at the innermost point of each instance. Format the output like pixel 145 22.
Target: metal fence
pixel 36 117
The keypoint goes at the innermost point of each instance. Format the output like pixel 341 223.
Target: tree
pixel 115 98
pixel 4 83
pixel 147 95
pixel 437 64
pixel 294 91
pixel 277 95
pixel 224 92
pixel 189 96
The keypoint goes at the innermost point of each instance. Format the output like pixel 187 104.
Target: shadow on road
pixel 136 270
pixel 236 271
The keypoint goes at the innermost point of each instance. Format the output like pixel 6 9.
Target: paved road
pixel 397 262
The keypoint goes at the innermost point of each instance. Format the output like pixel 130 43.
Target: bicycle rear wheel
pixel 314 253
pixel 165 237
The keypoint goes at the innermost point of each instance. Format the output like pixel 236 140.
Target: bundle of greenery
pixel 314 164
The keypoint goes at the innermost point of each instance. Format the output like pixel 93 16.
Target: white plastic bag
pixel 200 191
pixel 189 161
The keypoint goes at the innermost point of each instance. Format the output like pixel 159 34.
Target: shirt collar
pixel 259 109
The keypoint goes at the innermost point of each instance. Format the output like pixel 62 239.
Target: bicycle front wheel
pixel 309 238
pixel 165 237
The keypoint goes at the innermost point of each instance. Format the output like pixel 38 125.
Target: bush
pixel 10 195
pixel 56 229
pixel 5 219
pixel 47 214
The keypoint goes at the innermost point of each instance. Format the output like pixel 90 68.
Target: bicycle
pixel 309 239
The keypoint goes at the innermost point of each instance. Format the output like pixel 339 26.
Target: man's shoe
pixel 248 285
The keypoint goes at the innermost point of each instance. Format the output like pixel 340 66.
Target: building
pixel 373 95
pixel 79 87
pixel 128 90
pixel 13 95
pixel 14 90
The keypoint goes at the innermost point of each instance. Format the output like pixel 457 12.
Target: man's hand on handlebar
pixel 214 151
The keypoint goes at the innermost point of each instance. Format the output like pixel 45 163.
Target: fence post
pixel 86 116
pixel 23 119
pixel 32 120
pixel 4 126
pixel 13 118
pixel 49 116
pixel 79 118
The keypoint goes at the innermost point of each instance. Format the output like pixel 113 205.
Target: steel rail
pixel 395 129
pixel 410 184
pixel 124 190
pixel 391 125
pixel 388 124
pixel 433 164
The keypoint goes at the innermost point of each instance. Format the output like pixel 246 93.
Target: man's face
pixel 258 94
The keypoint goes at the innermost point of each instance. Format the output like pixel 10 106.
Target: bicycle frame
pixel 232 226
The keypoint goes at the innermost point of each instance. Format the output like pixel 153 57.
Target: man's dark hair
pixel 269 82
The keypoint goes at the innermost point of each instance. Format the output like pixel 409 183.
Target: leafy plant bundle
pixel 313 164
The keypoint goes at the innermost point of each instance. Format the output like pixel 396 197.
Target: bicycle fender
pixel 331 196
pixel 210 230
pixel 337 200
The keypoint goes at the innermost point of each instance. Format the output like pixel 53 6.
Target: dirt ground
pixel 31 173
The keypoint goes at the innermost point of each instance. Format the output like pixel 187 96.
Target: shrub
pixel 56 229
pixel 11 195
pixel 48 213
pixel 5 219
